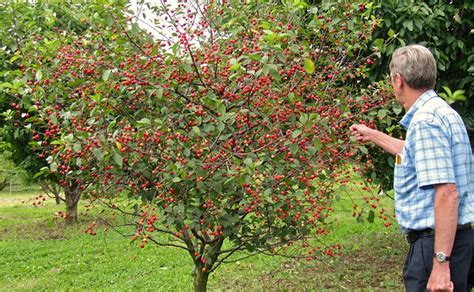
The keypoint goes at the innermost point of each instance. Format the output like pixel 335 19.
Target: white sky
pixel 145 18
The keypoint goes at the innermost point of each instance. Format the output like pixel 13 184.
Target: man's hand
pixel 440 279
pixel 362 133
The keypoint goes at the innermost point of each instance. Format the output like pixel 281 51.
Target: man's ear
pixel 398 80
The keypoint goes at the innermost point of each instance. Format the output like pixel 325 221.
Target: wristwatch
pixel 441 257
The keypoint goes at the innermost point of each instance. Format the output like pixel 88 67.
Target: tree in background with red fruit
pixel 231 137
pixel 31 34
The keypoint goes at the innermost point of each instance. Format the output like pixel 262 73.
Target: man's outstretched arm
pixel 365 134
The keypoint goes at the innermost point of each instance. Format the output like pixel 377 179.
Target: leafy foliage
pixel 237 130
pixel 31 34
pixel 443 26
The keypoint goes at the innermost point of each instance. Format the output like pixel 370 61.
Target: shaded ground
pixel 371 262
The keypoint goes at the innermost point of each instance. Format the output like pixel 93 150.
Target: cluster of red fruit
pixel 39 200
pixel 61 214
pixel 90 230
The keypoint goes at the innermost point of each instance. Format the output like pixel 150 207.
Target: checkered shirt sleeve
pixel 433 160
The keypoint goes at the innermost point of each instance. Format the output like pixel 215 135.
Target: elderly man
pixel 434 177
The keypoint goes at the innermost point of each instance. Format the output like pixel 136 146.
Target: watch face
pixel 440 257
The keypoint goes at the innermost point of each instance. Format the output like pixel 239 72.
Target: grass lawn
pixel 38 252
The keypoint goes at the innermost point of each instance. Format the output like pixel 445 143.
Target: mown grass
pixel 39 252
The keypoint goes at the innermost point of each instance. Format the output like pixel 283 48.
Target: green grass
pixel 39 252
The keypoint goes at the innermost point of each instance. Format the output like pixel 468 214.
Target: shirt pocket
pixel 400 174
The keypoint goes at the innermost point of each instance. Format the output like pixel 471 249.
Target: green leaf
pixel 255 57
pixel 309 66
pixel 39 75
pixel 294 149
pixel 6 85
pixel 379 43
pixel 458 95
pixel 69 138
pixel 235 65
pixel 228 220
pixel 303 118
pixel 98 154
pixel 190 164
pixel 118 159
pixel 248 162
pixel 382 113
pixel 318 145
pixel 135 28
pixel 363 149
pixel 272 69
pixel 144 121
pixel 397 110
pixel 391 161
pixel 77 147
pixel 371 216
pixel 43 170
pixel 159 93
pixel 53 167
pixel 391 33
pixel 220 126
pixel 96 97
pixel 196 131
pixel 221 108
pixel 187 68
pixel 322 217
pixel 265 25
pixel 457 18
pixel 105 75
pixel 186 152
pixel 270 36
pixel 296 133
pixel 14 58
pixel 109 20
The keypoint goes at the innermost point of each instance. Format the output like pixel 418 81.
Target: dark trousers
pixel 419 262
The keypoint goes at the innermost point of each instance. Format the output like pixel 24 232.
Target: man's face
pixel 396 81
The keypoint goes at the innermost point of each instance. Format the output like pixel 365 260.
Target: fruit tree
pixel 229 134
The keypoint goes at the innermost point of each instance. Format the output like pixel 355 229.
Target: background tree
pixel 443 26
pixel 31 34
pixel 8 172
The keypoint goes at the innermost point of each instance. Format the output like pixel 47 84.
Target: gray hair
pixel 417 66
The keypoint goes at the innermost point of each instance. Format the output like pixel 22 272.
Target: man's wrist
pixel 444 266
pixel 371 134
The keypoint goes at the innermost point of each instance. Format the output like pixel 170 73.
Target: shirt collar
pixel 427 95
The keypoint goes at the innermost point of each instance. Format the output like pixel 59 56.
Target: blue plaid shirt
pixel 437 150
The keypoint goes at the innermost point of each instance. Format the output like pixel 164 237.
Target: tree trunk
pixel 3 184
pixel 72 194
pixel 57 198
pixel 202 270
pixel 53 188
pixel 200 280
